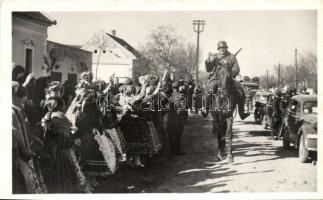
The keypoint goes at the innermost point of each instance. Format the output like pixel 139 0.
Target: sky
pixel 267 37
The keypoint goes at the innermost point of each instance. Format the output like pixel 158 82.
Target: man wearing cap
pixel 225 58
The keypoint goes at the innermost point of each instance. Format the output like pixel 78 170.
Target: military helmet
pixel 222 44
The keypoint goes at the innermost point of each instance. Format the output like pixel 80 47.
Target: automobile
pixel 260 99
pixel 300 125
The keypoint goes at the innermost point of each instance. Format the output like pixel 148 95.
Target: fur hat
pixel 88 76
pixel 175 85
pixel 153 82
pixel 129 89
pixel 128 81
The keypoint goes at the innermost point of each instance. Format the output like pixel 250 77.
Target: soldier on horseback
pixel 226 59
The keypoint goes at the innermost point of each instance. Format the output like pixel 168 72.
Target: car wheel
pixel 302 151
pixel 286 143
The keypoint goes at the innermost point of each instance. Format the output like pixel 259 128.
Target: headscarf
pixel 18 74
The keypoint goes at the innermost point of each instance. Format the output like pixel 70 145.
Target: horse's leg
pixel 229 136
pixel 216 131
pixel 222 135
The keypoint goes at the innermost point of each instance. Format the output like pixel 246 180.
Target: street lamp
pixel 198 27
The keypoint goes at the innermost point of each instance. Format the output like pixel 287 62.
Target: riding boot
pixel 242 114
pixel 240 95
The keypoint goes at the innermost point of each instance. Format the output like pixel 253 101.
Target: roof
pixel 36 16
pixel 125 45
pixel 68 46
pixel 75 46
pixel 305 97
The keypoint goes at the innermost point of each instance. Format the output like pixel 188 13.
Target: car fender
pixel 304 129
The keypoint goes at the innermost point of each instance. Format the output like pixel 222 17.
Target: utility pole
pixel 267 81
pixel 296 76
pixel 278 76
pixel 198 27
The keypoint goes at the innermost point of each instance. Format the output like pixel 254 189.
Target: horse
pixel 221 102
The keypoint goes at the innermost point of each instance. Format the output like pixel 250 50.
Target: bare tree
pixel 101 42
pixel 165 49
pixel 307 73
pixel 160 47
pixel 307 70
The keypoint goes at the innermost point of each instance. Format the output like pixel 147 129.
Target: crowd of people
pixel 64 137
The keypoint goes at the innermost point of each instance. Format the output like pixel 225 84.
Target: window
pixel 28 60
pixel 72 78
pixel 310 107
pixel 293 106
pixel 56 76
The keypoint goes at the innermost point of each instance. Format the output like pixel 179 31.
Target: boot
pixel 242 114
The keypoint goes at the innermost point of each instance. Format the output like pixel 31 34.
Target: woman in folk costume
pixel 26 174
pixel 97 151
pixel 109 119
pixel 61 170
pixel 133 124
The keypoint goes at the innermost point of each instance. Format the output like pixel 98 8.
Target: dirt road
pixel 260 165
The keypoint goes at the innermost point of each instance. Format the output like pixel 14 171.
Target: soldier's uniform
pixel 227 60
pixel 277 115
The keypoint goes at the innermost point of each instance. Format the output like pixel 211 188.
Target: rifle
pixel 237 52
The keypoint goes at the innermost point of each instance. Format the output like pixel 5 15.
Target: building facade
pixel 29 40
pixel 115 56
pixel 32 51
pixel 67 62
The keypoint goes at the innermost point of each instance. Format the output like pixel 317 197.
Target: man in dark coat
pixel 190 90
pixel 176 119
pixel 227 59
pixel 277 115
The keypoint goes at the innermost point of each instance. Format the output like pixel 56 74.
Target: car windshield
pixel 310 107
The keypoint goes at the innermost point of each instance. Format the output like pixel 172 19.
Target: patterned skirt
pixel 140 135
pixel 98 154
pixel 62 172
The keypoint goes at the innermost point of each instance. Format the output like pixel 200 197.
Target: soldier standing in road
pixel 225 58
pixel 176 119
pixel 277 115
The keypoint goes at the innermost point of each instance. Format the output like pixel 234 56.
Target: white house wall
pixel 116 59
pixel 106 71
